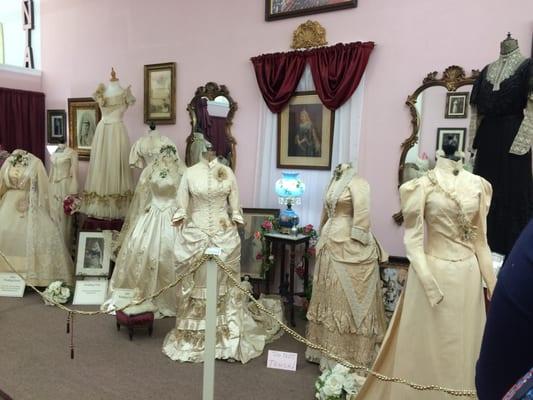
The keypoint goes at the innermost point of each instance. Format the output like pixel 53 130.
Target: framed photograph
pixel 250 246
pixel 57 126
pixel 83 116
pixel 456 105
pixel 94 250
pixel 278 9
pixel 454 135
pixel 305 133
pixel 160 93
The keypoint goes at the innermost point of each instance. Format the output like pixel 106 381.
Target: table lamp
pixel 289 189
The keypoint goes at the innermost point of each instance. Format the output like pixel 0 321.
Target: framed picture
pixel 83 116
pixel 57 126
pixel 160 93
pixel 456 105
pixel 94 250
pixel 305 133
pixel 451 135
pixel 250 246
pixel 278 9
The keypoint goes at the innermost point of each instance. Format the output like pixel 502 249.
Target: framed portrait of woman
pixel 83 116
pixel 305 133
pixel 94 254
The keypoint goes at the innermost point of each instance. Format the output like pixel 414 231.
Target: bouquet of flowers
pixel 71 204
pixel 337 384
pixel 267 259
pixel 56 292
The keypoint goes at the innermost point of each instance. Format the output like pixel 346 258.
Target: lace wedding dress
pixel 29 238
pixel 206 193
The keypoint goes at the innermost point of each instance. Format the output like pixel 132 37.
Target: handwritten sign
pixel 123 297
pixel 91 292
pixel 213 251
pixel 282 360
pixel 497 261
pixel 11 285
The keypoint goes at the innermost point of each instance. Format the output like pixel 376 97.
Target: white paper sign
pixel 123 297
pixel 90 292
pixel 497 261
pixel 11 285
pixel 282 360
pixel 213 251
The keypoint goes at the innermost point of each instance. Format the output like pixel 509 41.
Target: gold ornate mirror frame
pixel 452 79
pixel 211 91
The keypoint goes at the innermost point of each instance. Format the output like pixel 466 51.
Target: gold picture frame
pixel 160 93
pixel 305 133
pixel 83 116
pixel 280 9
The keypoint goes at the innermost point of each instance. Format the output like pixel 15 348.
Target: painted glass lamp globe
pixel 289 189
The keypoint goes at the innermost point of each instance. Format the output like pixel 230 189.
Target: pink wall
pixel 213 41
pixel 19 78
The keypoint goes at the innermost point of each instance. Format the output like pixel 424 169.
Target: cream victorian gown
pixel 146 259
pixel 109 184
pixel 435 334
pixel 29 238
pixel 63 180
pixel 208 190
pixel 346 313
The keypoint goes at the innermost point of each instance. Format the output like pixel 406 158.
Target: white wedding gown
pixel 109 184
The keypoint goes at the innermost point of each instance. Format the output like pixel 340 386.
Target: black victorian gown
pixel 510 175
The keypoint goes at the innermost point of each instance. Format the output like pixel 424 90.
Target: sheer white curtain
pixel 346 135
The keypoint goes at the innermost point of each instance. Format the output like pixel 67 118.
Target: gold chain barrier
pixel 294 334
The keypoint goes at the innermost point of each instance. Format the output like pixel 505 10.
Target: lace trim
pixel 504 68
pixel 467 229
pixel 336 189
pixel 524 137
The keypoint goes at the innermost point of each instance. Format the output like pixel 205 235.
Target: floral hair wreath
pixel 168 149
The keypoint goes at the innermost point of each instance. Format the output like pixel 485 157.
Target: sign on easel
pixel 11 285
pixel 90 292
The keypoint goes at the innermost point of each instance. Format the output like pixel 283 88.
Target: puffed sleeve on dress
pixel 129 97
pixel 233 198
pixel 360 193
pixel 481 246
pixel 413 199
pixel 98 95
pixel 182 199
pixel 136 159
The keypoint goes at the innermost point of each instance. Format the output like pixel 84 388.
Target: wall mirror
pixel 211 111
pixel 439 111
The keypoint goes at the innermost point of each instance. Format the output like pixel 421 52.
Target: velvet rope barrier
pixel 294 334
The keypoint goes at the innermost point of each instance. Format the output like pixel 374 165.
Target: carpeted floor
pixel 35 362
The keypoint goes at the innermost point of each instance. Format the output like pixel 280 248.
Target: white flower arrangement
pixel 337 384
pixel 56 292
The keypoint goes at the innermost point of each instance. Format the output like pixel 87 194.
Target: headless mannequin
pixel 450 150
pixel 61 148
pixel 508 45
pixel 114 88
pixel 209 154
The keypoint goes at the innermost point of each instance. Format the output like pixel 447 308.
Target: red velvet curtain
pixel 278 75
pixel 22 119
pixel 217 136
pixel 336 70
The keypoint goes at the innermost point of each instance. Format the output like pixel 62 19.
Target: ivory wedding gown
pixel 109 184
pixel 208 205
pixel 63 180
pixel 29 238
pixel 346 313
pixel 435 333
pixel 146 259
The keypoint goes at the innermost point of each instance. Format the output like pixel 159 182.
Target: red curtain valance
pixel 22 121
pixel 336 71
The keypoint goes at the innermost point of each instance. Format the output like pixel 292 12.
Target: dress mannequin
pixel 63 181
pixel 502 119
pixel 346 313
pixel 109 184
pixel 435 333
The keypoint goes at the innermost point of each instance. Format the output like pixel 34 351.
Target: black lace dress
pixel 509 174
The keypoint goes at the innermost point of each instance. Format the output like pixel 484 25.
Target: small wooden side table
pixel 279 242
